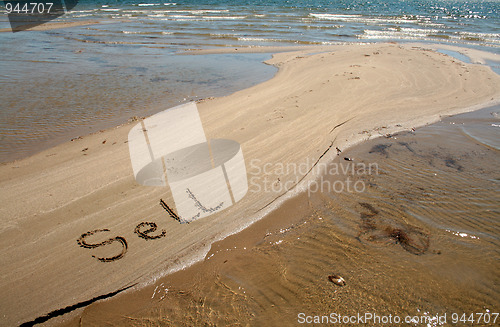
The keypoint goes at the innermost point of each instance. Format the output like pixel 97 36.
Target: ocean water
pixel 250 22
pixel 62 83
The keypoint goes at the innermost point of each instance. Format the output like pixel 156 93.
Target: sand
pixel 419 240
pixel 55 25
pixel 317 101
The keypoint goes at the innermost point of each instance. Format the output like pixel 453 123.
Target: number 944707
pixel 29 8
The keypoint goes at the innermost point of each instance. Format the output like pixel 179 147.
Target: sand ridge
pixel 55 25
pixel 314 103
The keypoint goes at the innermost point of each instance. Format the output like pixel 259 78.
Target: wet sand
pixel 317 101
pixel 55 25
pixel 421 240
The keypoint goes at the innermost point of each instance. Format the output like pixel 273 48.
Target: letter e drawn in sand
pixel 145 233
pixel 205 177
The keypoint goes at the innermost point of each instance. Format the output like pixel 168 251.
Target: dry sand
pixel 316 100
pixel 55 25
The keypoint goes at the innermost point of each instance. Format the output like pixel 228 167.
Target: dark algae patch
pixel 375 228
pixel 452 163
pixel 381 149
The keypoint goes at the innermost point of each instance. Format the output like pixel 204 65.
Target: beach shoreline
pixel 56 25
pixel 251 277
pixel 100 166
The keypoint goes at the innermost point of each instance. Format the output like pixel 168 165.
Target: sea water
pixel 62 83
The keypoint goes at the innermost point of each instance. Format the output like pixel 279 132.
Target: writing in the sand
pixel 144 230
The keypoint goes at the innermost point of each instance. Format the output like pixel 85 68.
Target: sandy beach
pixel 418 243
pixel 322 98
pixel 54 25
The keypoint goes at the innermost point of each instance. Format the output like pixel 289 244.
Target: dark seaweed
pixel 374 229
pixel 452 163
pixel 381 149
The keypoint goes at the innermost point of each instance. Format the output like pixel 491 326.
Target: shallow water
pixel 62 83
pixel 67 90
pixel 456 55
pixel 421 239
